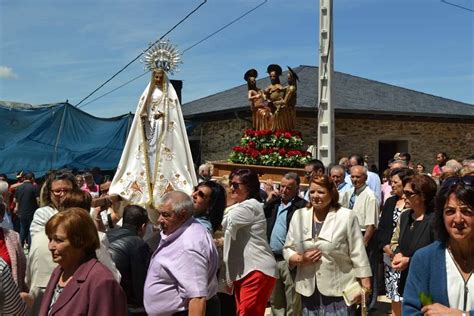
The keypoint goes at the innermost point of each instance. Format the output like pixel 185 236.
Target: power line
pixel 457 5
pixel 176 25
pixel 187 49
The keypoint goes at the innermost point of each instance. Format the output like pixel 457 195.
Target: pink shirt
pixel 183 266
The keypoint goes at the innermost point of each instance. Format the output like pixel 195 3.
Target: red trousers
pixel 252 293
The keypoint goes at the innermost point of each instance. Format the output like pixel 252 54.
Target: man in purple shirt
pixel 181 278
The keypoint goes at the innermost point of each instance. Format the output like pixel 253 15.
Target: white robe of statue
pixel 156 159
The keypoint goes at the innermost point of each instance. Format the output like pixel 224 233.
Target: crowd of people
pixel 327 243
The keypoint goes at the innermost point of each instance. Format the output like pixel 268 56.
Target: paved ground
pixel 382 307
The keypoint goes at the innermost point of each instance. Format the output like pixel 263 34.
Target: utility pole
pixel 326 125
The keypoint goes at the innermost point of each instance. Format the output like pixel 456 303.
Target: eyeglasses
pixel 449 182
pixel 409 194
pixel 59 191
pixel 235 185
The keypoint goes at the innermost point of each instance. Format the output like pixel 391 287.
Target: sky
pixel 57 50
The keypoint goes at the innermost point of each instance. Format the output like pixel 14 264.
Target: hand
pixel 28 299
pixel 388 251
pixel 438 309
pixel 311 256
pixel 268 186
pixel 400 262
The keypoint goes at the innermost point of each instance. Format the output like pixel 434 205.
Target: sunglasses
pixel 449 182
pixel 235 185
pixel 409 194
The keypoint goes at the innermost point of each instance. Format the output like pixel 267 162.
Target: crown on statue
pixel 163 55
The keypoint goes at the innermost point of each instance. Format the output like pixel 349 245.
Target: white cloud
pixel 7 73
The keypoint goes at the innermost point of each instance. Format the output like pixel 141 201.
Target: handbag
pixel 350 294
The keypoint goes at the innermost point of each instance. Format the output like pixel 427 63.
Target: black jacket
pixel 271 210
pixel 386 226
pixel 131 256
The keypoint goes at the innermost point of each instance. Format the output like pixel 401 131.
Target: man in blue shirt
pixel 279 208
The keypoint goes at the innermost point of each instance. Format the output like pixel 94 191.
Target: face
pixel 273 77
pixel 358 177
pixel 420 169
pixel 458 219
pixel 79 181
pixel 440 158
pixel 252 81
pixel 308 172
pixel 201 199
pixel 337 176
pixel 206 172
pixel 288 189
pixel 319 197
pixel 239 191
pixel 62 251
pixel 352 163
pixel 412 199
pixel 397 185
pixel 59 189
pixel 158 76
pixel 89 181
pixel 169 220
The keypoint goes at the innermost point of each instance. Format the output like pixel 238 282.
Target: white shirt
pixel 456 286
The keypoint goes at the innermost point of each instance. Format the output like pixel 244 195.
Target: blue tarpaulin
pixel 58 136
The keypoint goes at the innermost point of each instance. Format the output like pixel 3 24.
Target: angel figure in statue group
pixel 157 157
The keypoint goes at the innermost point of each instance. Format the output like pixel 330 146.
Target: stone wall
pixel 424 139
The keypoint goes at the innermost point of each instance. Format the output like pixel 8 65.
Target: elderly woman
pixel 415 229
pixel 209 199
pixel 392 209
pixel 59 190
pixel 249 260
pixel 325 244
pixel 80 285
pixel 449 262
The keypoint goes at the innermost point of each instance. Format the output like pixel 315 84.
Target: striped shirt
pixel 9 294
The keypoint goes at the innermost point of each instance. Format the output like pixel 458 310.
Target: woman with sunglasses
pixel 447 263
pixel 209 199
pixel 415 229
pixel 250 264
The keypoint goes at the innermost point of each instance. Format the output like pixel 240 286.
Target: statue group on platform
pixel 272 108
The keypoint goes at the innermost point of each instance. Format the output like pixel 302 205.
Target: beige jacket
pixel 344 257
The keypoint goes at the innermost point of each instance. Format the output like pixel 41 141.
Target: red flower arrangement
pixel 270 148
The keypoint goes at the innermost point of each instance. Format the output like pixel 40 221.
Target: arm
pixel 197 306
pixel 369 232
pixel 357 252
pixel 106 297
pixel 417 282
pixel 12 302
pixel 395 237
pixel 139 267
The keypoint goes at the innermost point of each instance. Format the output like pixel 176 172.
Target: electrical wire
pixel 123 68
pixel 457 6
pixel 187 49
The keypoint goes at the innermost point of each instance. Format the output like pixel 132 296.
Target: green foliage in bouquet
pixel 277 148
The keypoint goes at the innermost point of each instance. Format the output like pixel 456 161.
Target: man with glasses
pixel 182 277
pixel 312 168
pixel 279 209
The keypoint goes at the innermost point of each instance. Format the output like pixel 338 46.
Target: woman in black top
pixel 415 227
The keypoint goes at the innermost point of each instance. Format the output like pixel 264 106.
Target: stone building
pixel 372 118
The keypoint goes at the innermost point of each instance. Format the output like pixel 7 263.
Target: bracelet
pixel 367 291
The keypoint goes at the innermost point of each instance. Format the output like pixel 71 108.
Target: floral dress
pixel 392 277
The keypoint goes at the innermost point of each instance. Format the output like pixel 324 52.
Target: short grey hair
pixel 293 176
pixel 364 169
pixel 337 167
pixel 180 202
pixel 205 166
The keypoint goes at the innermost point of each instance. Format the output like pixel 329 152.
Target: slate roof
pixel 352 95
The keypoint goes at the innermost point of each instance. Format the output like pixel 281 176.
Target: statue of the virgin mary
pixel 156 158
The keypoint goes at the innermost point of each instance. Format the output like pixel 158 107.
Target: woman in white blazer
pixel 325 244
